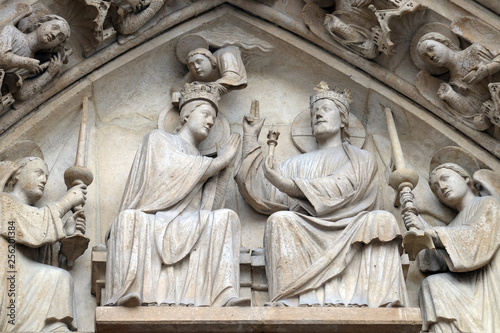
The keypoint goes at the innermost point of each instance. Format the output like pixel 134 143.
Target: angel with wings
pixel 472 70
pixel 461 293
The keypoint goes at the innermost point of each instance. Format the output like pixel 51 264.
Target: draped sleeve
pixel 32 226
pixel 473 237
pixel 344 191
pixel 162 175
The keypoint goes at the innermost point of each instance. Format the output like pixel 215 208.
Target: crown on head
pixel 322 91
pixel 200 91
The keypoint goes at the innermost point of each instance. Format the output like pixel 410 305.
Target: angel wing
pixel 477 31
pixel 488 182
pixel 228 34
pixel 13 11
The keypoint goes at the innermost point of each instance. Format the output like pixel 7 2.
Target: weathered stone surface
pixel 262 319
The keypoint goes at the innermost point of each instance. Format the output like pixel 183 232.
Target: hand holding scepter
pixel 404 180
pixel 272 142
pixel 75 245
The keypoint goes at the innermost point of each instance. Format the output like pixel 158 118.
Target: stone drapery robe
pixel 42 294
pixel 167 244
pixel 327 249
pixel 466 298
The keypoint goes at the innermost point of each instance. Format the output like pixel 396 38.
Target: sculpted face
pixel 31 179
pixel 325 119
pixel 434 53
pixel 200 66
pixel 449 187
pixel 201 120
pixel 52 33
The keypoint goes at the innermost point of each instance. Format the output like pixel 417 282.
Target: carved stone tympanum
pixel 323 231
pixel 171 244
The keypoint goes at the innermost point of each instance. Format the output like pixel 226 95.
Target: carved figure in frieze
pixel 466 93
pixel 171 243
pixel 323 230
pixel 31 55
pixel 461 294
pixel 361 26
pixel 223 67
pixel 130 15
pixel 36 296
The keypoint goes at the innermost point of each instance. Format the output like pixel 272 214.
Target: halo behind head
pixel 187 44
pixel 457 156
pixel 434 27
pixel 21 149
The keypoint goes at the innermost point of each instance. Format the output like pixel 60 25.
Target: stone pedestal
pixel 257 319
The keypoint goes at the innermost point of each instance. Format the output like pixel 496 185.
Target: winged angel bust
pixel 471 91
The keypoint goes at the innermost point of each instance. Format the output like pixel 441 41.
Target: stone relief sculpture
pixel 462 294
pixel 224 67
pixel 361 26
pixel 322 232
pixel 466 94
pixel 214 56
pixel 130 15
pixel 31 54
pixel 171 244
pixel 36 296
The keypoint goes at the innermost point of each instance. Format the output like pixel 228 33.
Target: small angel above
pixel 223 67
pixel 31 54
pixel 472 71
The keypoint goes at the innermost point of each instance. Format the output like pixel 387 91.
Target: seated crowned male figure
pixel 169 244
pixel 324 243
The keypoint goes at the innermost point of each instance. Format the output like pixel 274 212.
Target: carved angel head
pixel 434 48
pixel 29 179
pixel 201 63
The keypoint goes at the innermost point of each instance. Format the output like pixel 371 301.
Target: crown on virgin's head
pixel 200 91
pixel 322 91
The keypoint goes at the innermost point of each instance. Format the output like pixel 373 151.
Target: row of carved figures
pixel 460 76
pixel 326 244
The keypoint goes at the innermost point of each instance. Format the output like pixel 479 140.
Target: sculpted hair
pixel 205 53
pixel 47 18
pixel 344 118
pixel 437 37
pixel 459 170
pixel 21 163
